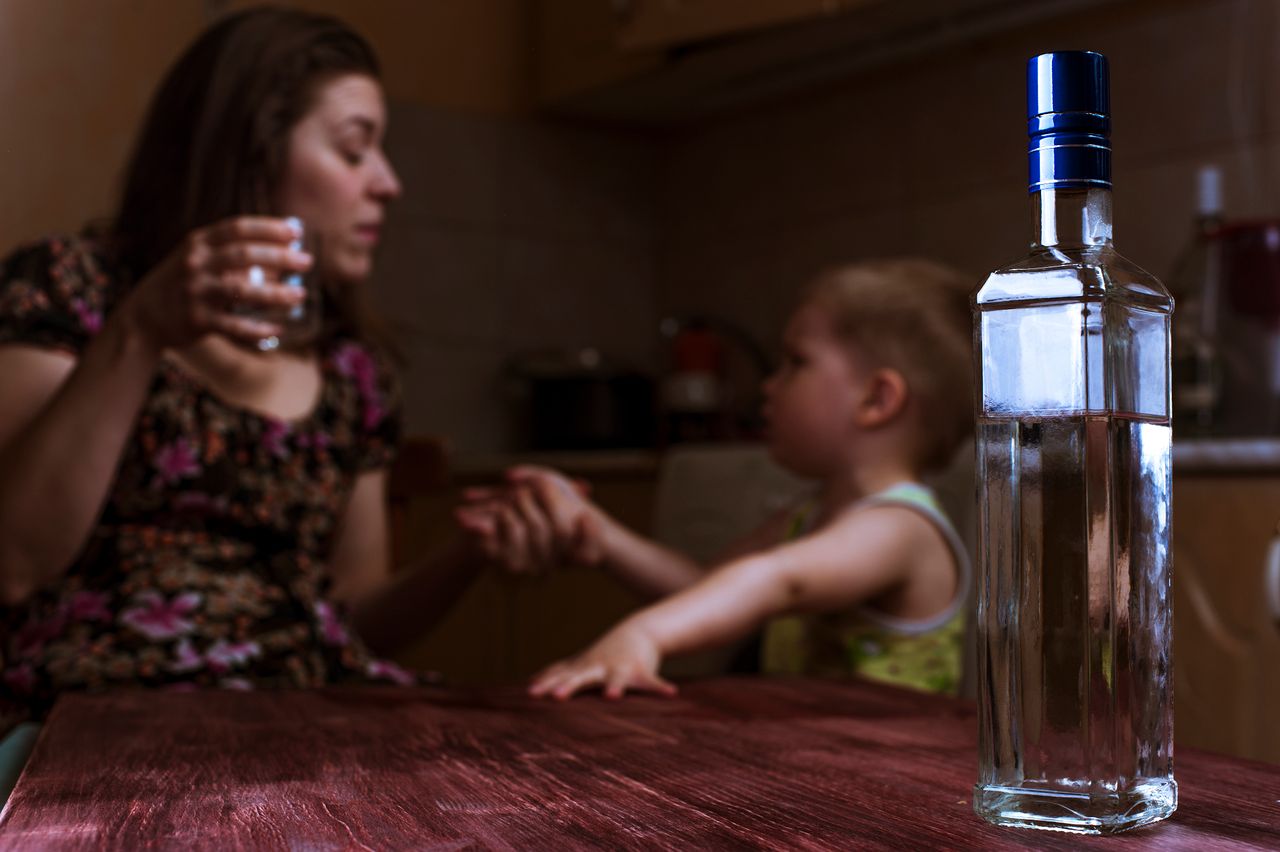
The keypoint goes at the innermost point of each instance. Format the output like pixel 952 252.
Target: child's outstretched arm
pixel 852 559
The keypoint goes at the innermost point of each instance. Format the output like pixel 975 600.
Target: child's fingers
pixel 654 682
pixel 544 680
pixel 512 540
pixel 563 679
pixel 587 547
pixel 561 509
pixel 575 681
pixel 553 484
pixel 475 519
pixel 540 535
pixel 615 684
pixel 481 529
pixel 524 472
pixel 482 493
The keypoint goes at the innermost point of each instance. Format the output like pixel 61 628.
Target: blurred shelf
pixel 1227 455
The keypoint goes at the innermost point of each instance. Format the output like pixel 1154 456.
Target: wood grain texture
pixel 741 763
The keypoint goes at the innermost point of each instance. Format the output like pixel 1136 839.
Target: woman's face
pixel 337 179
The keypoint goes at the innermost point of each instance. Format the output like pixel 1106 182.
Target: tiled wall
pixel 513 235
pixel 928 157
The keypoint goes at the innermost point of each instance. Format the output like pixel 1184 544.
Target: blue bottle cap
pixel 1068 120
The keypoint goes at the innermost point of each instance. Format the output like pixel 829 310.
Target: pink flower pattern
pixel 355 362
pixel 88 606
pixel 332 631
pixel 90 319
pixel 174 462
pixel 222 656
pixel 156 618
pixel 387 670
pixel 273 438
pixel 186 658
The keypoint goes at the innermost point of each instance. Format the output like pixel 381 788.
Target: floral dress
pixel 207 564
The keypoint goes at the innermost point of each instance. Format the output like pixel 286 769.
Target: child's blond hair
pixel 913 316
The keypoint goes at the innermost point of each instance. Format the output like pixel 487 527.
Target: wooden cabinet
pixel 672 23
pixel 1226 633
pixel 577 49
pixel 655 62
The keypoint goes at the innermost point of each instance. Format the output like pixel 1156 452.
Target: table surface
pixel 744 763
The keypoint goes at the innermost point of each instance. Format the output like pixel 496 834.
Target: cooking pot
pixel 580 401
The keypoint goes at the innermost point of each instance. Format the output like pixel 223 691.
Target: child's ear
pixel 884 398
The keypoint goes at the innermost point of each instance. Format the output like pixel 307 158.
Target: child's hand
pixel 625 658
pixel 577 524
pixel 538 521
pixel 506 527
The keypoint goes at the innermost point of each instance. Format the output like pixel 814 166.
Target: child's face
pixel 811 401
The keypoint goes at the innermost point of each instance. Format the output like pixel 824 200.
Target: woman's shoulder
pixel 372 395
pixel 66 261
pixel 369 367
pixel 55 291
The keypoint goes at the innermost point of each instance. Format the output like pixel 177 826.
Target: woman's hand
pixel 624 658
pixel 538 521
pixel 235 263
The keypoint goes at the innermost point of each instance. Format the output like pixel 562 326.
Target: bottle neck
pixel 1072 218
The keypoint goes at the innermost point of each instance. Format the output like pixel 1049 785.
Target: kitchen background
pixel 565 192
pixel 577 170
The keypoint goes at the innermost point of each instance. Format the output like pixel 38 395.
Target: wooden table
pixel 743 763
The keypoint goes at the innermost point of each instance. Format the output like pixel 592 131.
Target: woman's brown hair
pixel 215 140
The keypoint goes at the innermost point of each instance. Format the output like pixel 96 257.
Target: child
pixel 873 391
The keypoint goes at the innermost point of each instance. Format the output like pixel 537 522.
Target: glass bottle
pixel 1195 286
pixel 1074 445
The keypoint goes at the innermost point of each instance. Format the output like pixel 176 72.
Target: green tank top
pixel 924 655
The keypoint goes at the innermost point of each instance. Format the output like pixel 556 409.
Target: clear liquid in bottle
pixel 1072 345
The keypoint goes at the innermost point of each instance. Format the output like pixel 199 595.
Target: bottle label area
pixel 1073 358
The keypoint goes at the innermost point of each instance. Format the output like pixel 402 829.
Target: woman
pixel 177 506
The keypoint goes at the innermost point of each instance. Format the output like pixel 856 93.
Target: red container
pixel 1251 267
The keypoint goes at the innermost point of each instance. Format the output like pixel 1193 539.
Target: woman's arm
pixel 63 427
pixel 388 611
pixel 64 420
pixel 853 559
